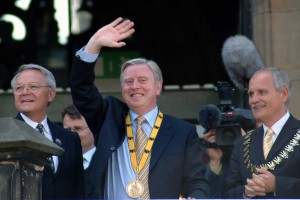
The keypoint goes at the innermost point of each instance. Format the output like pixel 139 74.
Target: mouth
pixel 26 100
pixel 136 95
pixel 257 107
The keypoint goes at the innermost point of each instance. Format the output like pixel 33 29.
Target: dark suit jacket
pixel 175 165
pixel 287 173
pixel 89 177
pixel 67 182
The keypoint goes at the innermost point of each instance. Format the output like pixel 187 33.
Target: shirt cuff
pixel 85 56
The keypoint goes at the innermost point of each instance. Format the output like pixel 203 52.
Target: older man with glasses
pixel 34 88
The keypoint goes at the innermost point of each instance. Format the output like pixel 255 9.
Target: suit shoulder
pixel 115 103
pixel 296 121
pixel 176 121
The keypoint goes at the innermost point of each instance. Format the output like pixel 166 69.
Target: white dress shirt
pixel 87 157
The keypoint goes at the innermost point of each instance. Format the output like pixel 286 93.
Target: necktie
pixel 268 142
pixel 50 159
pixel 141 140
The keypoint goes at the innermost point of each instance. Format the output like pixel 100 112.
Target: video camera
pixel 232 119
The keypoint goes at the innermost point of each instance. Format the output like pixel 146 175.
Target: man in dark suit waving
pixel 265 163
pixel 169 164
pixel 34 90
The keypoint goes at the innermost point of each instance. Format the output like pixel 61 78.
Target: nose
pixel 25 90
pixel 135 84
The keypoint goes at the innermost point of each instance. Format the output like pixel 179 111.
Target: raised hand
pixel 110 35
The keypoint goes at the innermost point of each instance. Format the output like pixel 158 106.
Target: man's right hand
pixel 110 35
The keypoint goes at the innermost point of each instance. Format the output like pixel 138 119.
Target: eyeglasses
pixel 31 87
pixel 77 129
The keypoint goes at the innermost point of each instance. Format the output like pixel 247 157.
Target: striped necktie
pixel 141 140
pixel 40 129
pixel 268 142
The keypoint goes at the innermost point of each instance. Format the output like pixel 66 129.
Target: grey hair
pixel 142 61
pixel 50 80
pixel 281 79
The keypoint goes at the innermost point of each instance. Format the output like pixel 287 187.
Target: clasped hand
pixel 260 184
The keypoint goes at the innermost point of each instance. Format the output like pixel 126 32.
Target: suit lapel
pixel 257 140
pixel 163 138
pixel 286 134
pixel 57 137
pixel 19 117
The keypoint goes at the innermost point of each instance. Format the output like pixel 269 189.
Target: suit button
pixel 101 170
pixel 112 148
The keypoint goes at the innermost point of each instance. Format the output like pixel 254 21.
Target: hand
pixel 255 186
pixel 110 35
pixel 215 154
pixel 268 179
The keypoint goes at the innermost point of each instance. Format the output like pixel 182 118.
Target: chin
pixel 24 110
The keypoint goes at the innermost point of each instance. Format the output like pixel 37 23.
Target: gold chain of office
pixel 137 167
pixel 284 154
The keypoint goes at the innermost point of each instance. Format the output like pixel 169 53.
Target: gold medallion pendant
pixel 134 188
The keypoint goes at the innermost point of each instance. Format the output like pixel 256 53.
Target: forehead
pixel 67 120
pixel 261 80
pixel 137 70
pixel 30 75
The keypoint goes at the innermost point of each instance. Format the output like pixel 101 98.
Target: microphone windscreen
pixel 209 116
pixel 241 59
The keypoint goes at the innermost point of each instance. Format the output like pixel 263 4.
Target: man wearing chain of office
pixel 265 163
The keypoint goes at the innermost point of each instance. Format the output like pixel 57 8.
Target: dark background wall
pixel 184 37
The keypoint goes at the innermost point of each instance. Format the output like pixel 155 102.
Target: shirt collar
pixel 150 116
pixel 33 124
pixel 279 124
pixel 89 154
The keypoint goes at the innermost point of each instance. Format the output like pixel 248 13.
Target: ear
pixel 51 95
pixel 158 88
pixel 285 94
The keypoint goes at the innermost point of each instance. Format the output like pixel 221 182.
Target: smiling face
pixel 33 104
pixel 139 88
pixel 268 104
